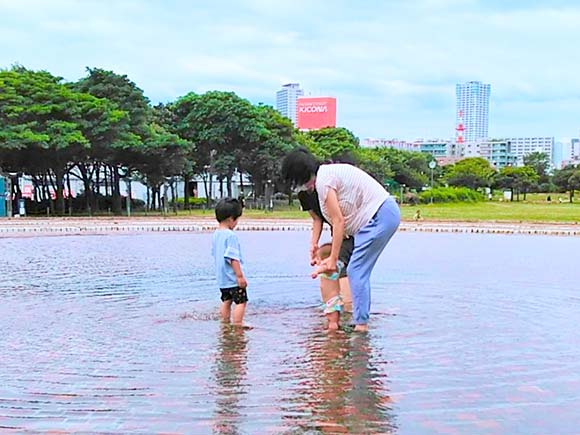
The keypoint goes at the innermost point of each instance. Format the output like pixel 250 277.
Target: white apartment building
pixel 522 146
pixel 286 100
pixel 472 110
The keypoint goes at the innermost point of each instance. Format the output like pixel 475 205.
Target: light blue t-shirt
pixel 225 247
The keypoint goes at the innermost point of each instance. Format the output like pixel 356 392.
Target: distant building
pixel 498 152
pixel 522 146
pixel 286 100
pixel 472 111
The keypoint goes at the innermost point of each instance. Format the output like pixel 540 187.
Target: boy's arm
pixel 239 274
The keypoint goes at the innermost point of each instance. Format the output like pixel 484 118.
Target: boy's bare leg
pixel 345 293
pixel 328 289
pixel 239 311
pixel 226 310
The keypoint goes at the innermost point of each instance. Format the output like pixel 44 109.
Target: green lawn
pixel 497 211
pixel 534 210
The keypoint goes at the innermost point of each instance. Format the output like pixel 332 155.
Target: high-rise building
pixel 286 100
pixel 472 111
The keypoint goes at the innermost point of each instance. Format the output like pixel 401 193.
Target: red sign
pixel 313 113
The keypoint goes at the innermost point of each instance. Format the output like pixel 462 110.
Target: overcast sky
pixel 392 65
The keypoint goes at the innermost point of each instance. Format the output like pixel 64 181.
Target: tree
pixel 119 154
pixel 540 163
pixel 517 179
pixel 276 136
pixel 574 183
pixel 44 126
pixel 223 127
pixel 473 172
pixel 562 179
pixel 371 161
pixel 331 142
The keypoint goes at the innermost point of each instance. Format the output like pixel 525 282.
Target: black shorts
pixel 236 294
pixel 345 253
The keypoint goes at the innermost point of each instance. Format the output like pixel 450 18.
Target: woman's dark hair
pixel 299 166
pixel 226 208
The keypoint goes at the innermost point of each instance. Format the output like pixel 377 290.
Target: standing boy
pixel 228 261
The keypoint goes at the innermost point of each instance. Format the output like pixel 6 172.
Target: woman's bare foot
pixel 361 328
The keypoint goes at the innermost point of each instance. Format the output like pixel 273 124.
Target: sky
pixel 392 65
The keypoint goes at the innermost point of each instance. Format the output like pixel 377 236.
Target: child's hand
pixel 242 283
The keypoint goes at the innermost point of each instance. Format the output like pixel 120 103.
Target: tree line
pixel 102 129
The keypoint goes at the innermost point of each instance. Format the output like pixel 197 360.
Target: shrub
pixel 451 194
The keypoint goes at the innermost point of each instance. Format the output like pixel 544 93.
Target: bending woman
pixel 356 205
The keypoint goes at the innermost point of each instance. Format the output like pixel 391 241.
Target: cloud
pixel 392 65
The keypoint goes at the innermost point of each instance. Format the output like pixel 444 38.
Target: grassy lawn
pixel 497 211
pixel 536 209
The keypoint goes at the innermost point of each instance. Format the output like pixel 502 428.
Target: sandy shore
pixel 18 227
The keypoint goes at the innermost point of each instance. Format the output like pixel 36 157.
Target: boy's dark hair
pixel 228 208
pixel 299 166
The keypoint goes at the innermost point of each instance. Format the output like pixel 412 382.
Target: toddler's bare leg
pixel 345 293
pixel 329 288
pixel 239 311
pixel 226 310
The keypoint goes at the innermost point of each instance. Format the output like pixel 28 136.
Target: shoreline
pixel 59 226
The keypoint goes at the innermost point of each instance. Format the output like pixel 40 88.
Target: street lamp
pixel 432 165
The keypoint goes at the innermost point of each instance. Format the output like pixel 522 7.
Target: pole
pixel 431 186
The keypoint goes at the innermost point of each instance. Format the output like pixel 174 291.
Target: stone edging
pixel 41 228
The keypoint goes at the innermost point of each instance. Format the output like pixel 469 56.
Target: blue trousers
pixel 369 242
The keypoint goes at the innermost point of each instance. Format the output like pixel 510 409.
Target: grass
pixel 497 211
pixel 535 209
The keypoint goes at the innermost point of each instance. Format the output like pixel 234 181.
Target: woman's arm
pixel 337 219
pixel 316 232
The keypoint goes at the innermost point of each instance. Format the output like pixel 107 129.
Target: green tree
pixel 331 142
pixel 540 163
pixel 371 161
pixel 44 125
pixel 473 172
pixel 565 180
pixel 119 154
pixel 223 128
pixel 517 179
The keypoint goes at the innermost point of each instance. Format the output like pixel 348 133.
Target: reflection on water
pixel 120 335
pixel 230 377
pixel 340 389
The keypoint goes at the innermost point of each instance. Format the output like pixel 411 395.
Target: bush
pixel 451 194
pixel 192 201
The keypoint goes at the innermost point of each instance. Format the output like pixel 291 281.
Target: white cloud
pixel 392 65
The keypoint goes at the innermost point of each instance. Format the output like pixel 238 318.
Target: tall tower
pixel 472 110
pixel 286 100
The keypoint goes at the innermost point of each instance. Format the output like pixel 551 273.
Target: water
pixel 119 334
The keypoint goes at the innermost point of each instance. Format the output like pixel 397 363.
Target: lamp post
pixel 432 165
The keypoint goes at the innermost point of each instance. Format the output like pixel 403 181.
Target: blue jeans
pixel 369 242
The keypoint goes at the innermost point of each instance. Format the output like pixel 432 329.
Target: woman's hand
pixel 313 255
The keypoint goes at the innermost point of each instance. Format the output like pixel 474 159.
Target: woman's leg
pixel 369 242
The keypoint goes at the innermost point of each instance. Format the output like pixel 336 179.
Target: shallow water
pixel 470 334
